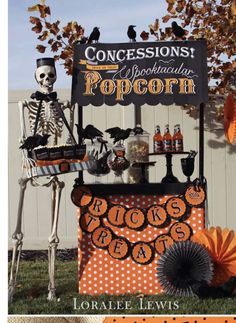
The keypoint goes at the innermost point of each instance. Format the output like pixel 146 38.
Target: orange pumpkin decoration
pixel 195 196
pixel 81 196
pixel 98 207
pixel 119 248
pixel 102 237
pixel 134 218
pixel 221 244
pixel 180 231
pixel 142 253
pixel 162 243
pixel 230 118
pixel 157 216
pixel 116 215
pixel 176 208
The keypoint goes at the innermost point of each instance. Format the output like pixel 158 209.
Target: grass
pixel 31 294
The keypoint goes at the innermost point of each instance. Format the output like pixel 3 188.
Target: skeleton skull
pixel 46 76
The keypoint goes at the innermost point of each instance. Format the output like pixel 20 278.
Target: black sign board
pixel 139 73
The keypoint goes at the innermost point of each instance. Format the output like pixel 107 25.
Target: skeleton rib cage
pixel 49 122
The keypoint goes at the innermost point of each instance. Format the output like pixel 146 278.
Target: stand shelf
pixel 136 189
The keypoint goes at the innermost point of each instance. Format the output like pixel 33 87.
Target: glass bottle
pixel 167 139
pixel 157 140
pixel 178 140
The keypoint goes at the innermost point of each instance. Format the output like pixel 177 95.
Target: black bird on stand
pixel 178 31
pixel 34 141
pixel 90 132
pixel 118 134
pixel 131 33
pixel 94 36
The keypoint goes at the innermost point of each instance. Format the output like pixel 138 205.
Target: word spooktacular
pixel 138 73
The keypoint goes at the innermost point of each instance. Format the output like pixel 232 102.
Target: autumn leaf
pixel 41 48
pixel 44 35
pixel 34 20
pixel 44 11
pixel 33 8
pixel 144 35
pixel 166 18
pixel 54 29
pixel 55 46
pixel 37 28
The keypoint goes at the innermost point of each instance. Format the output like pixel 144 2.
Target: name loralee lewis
pixel 122 305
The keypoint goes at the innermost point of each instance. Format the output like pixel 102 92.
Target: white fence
pixel 220 168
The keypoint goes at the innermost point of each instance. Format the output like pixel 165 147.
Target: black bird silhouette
pixel 94 36
pixel 44 140
pixel 118 133
pixel 90 132
pixel 34 141
pixel 131 33
pixel 178 31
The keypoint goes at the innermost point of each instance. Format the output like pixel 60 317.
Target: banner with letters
pixel 138 73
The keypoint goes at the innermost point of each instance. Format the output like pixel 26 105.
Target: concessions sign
pixel 139 73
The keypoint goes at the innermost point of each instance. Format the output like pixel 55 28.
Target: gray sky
pixel 113 18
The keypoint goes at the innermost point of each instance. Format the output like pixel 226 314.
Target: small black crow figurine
pixel 32 142
pixel 94 36
pixel 118 133
pixel 90 132
pixel 178 31
pixel 131 33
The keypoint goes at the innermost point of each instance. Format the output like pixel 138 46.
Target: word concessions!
pixel 139 73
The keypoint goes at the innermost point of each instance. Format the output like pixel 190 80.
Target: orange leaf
pixel 34 20
pixel 44 35
pixel 33 8
pixel 37 28
pixel 166 18
pixel 41 48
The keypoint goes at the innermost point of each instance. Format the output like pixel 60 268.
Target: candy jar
pixel 118 162
pixel 98 154
pixel 137 151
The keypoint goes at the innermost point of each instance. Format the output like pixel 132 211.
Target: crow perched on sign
pixel 178 31
pixel 118 133
pixel 131 33
pixel 90 132
pixel 94 36
pixel 32 142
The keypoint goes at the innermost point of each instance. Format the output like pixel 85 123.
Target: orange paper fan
pixel 221 244
pixel 230 118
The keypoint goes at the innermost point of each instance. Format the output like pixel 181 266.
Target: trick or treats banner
pixel 139 73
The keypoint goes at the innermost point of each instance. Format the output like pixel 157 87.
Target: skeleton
pixel 49 122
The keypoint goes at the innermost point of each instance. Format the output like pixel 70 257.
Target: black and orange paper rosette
pixel 118 268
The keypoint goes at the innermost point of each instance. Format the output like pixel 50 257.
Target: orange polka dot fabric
pixel 99 273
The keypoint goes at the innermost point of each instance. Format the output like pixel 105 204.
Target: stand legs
pixel 17 238
pixel 53 239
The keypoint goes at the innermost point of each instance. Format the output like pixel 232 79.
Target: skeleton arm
pixel 22 105
pixel 67 105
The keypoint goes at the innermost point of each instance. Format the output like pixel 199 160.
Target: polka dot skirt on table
pixel 99 273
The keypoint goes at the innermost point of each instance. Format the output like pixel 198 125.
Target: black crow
pixel 178 31
pixel 94 36
pixel 31 142
pixel 44 140
pixel 90 132
pixel 131 33
pixel 118 134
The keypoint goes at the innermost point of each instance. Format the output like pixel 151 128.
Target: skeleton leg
pixel 57 187
pixel 17 240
